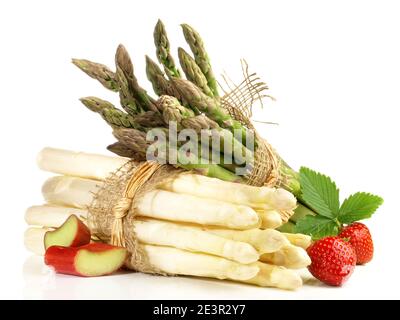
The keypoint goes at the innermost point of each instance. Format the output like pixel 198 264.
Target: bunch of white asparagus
pixel 193 225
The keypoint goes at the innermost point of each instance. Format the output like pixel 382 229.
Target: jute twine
pixel 113 211
pixel 238 101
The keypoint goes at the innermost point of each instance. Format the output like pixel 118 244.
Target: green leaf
pixel 358 206
pixel 319 192
pixel 316 226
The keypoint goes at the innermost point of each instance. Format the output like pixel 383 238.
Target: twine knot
pixel 141 175
pixel 122 207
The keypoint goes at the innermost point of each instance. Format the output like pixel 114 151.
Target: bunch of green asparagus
pixel 191 103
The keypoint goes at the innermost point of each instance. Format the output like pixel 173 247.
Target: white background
pixel 333 67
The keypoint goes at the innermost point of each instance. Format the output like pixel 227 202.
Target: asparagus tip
pixel 121 51
pixel 78 62
pixel 187 28
pixel 123 60
pixel 89 103
pixel 121 47
pixel 96 104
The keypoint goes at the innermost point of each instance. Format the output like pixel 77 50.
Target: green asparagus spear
pixel 113 116
pixel 193 72
pixel 127 100
pixel 289 179
pixel 121 150
pixel 184 118
pixel 160 84
pixel 119 118
pixel 172 110
pixel 99 72
pixel 124 65
pixel 187 91
pixel 201 57
pixel 96 104
pixel 149 119
pixel 210 170
pixel 157 78
pixel 163 50
pixel 112 81
pixel 136 141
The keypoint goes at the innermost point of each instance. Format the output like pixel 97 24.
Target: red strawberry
pixel 332 260
pixel 360 238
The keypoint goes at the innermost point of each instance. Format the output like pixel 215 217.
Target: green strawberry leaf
pixel 359 206
pixel 317 227
pixel 319 192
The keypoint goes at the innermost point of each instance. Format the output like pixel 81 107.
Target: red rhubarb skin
pixel 82 235
pixel 62 259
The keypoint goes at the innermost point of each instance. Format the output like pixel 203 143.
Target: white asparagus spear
pixel 265 241
pixel 96 166
pixel 51 215
pixel 70 191
pixel 270 219
pixel 182 262
pixel 78 192
pixel 157 232
pixel 171 260
pixel 288 256
pixel 168 205
pixel 80 164
pixel 276 276
pixel 185 263
pixel 34 240
pixel 299 239
pixel 212 188
pixel 186 238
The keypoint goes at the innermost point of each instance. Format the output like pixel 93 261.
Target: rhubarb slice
pixel 91 260
pixel 72 233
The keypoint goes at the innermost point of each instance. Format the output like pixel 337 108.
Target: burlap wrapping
pixel 112 214
pixel 103 216
pixel 238 101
